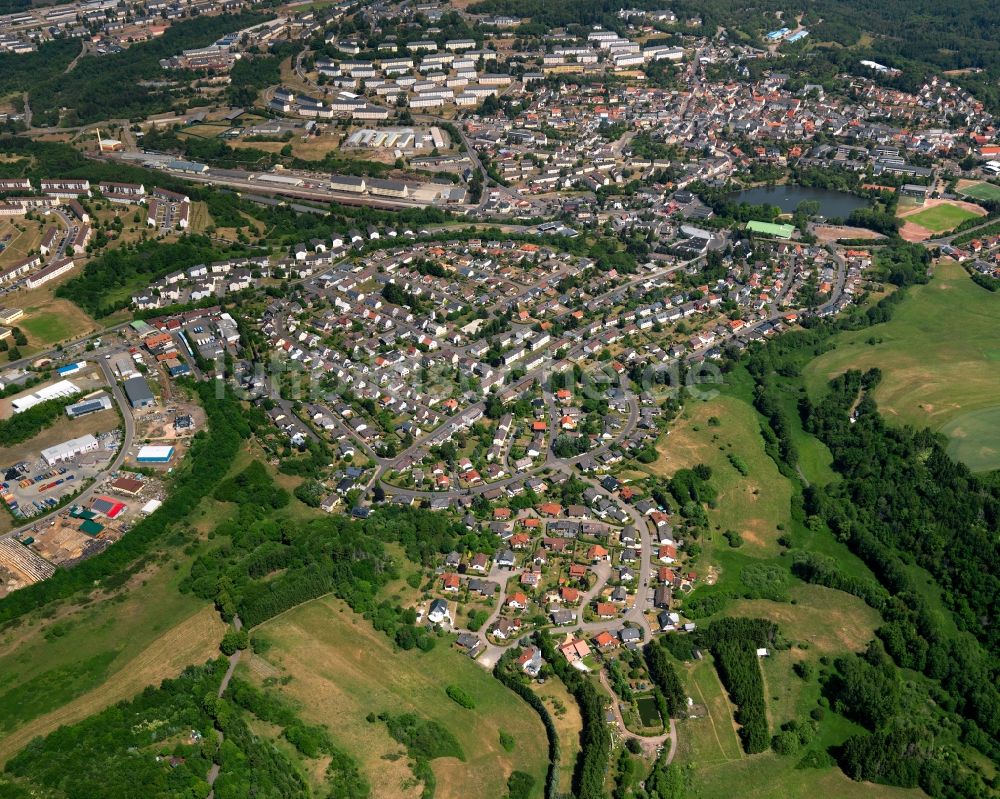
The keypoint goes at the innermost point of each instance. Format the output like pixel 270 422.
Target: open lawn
pixel 341 670
pixel 941 218
pixel 710 738
pixel 939 361
pixel 21 237
pixel 979 190
pixel 753 505
pixel 58 670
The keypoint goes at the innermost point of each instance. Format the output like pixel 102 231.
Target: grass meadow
pixel 940 362
pixel 339 669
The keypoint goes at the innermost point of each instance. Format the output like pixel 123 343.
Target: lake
pixel 787 198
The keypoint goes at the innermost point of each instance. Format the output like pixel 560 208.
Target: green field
pixel 941 218
pixel 720 769
pixel 46 328
pixel 58 669
pixel 341 669
pixel 753 505
pixel 982 191
pixel 940 363
pixel 973 438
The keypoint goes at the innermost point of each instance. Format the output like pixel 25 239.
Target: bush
pixel 424 739
pixel 460 696
pixel 519 785
pixel 739 464
pixel 234 640
pixel 507 741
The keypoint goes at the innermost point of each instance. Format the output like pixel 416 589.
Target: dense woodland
pixel 122 85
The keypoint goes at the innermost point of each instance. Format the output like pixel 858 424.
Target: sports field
pixel 341 669
pixel 940 363
pixel 941 218
pixel 49 327
pixel 980 190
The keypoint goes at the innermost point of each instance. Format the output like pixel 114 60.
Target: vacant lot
pixel 341 670
pixel 62 430
pixel 939 359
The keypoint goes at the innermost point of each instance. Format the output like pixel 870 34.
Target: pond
pixel 649 713
pixel 787 198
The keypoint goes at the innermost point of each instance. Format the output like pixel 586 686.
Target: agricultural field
pixel 979 190
pixel 339 669
pixel 940 363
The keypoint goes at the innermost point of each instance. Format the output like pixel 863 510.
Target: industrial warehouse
pixel 99 402
pixel 69 449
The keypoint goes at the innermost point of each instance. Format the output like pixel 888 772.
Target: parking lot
pixel 32 487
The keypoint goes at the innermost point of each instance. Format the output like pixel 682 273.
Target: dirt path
pixel 234 661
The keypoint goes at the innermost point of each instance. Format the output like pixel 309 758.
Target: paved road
pixel 116 463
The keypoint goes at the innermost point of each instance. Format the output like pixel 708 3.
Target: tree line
pixel 29 423
pixel 595 737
